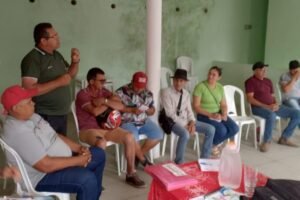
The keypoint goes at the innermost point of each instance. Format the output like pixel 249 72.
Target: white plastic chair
pixel 109 143
pixel 165 74
pixel 173 145
pixel 184 62
pixel 242 119
pixel 30 191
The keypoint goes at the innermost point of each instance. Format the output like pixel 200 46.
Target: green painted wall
pixel 219 34
pixel 114 39
pixel 283 41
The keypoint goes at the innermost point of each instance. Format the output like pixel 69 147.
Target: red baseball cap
pixel 139 80
pixel 14 94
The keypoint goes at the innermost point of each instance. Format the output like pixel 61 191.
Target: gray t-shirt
pixel 295 92
pixel 33 139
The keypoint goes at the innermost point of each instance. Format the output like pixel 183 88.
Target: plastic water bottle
pixel 230 171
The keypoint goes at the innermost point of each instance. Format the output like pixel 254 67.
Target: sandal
pixel 215 151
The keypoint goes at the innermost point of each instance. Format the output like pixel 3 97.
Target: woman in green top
pixel 210 105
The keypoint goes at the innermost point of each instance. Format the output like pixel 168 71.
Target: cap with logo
pixel 14 94
pixel 139 80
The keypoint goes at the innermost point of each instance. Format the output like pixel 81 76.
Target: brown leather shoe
pixel 264 147
pixel 134 180
pixel 287 142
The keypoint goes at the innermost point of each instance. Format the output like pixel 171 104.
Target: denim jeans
pixel 224 129
pixel 85 181
pixel 270 117
pixel 184 135
pixel 151 129
pixel 293 103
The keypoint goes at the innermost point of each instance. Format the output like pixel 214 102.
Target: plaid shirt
pixel 131 99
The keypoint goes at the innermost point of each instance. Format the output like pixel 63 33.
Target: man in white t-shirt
pixel 53 162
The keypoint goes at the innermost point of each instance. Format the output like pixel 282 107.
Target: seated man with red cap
pixel 47 156
pixel 138 106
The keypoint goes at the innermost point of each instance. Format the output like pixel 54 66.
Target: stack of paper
pixel 220 194
pixel 171 176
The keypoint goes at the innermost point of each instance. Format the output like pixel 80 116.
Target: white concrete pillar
pixel 153 53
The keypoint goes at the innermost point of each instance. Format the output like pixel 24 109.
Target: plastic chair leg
pixel 247 132
pixel 196 140
pixel 261 131
pixel 164 145
pixel 255 135
pixel 118 158
pixel 173 144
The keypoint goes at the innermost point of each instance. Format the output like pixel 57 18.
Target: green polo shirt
pixel 210 98
pixel 46 67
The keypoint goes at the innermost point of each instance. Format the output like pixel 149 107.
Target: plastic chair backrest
pixel 25 178
pixel 230 92
pixel 184 62
pixel 73 109
pixel 165 74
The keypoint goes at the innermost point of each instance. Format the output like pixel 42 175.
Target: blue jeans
pixel 86 182
pixel 224 129
pixel 293 103
pixel 184 135
pixel 151 129
pixel 270 117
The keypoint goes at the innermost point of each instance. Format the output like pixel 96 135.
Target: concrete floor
pixel 279 162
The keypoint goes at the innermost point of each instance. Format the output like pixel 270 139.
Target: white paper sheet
pixel 209 165
pixel 174 169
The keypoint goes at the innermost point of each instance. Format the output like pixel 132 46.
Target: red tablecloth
pixel 207 182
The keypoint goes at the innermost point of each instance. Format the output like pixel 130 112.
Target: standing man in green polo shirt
pixel 45 68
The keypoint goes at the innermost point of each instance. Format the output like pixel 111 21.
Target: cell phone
pixel 143 108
